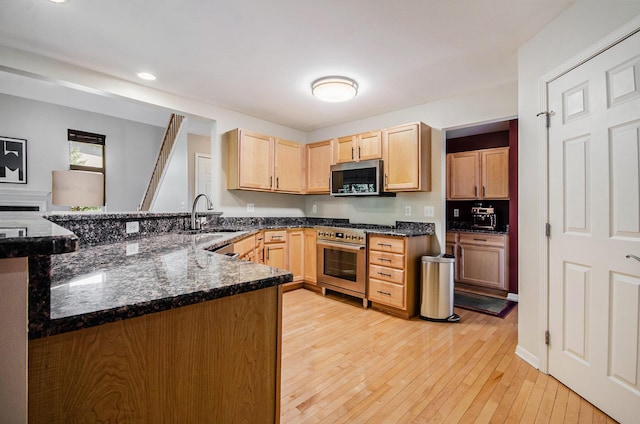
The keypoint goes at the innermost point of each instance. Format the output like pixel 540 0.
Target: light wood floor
pixel 344 364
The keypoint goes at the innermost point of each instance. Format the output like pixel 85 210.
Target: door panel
pixel 594 212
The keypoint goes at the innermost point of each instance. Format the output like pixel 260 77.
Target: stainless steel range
pixel 342 261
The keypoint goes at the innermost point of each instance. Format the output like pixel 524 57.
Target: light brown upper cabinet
pixel 354 148
pixel 289 157
pixel 406 155
pixel 263 163
pixel 319 161
pixel 478 174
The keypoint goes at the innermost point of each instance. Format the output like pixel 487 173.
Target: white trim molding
pixel 528 357
pixel 14 197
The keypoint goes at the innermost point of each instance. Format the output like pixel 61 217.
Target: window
pixel 86 152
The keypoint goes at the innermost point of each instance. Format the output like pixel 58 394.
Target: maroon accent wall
pixel 513 206
pixel 477 142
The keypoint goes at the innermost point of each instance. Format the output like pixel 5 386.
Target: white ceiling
pixel 259 57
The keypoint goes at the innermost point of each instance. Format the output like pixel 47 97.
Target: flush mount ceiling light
pixel 59 1
pixel 146 76
pixel 334 88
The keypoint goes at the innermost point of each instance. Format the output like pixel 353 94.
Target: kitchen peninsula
pixel 152 329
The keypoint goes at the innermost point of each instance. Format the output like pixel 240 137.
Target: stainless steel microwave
pixel 365 178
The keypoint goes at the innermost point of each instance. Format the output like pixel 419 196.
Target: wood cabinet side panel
pixel 296 252
pixel 216 361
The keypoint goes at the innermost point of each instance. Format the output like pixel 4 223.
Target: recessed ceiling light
pixel 334 88
pixel 146 76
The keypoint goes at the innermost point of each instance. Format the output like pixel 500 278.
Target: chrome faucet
pixel 195 224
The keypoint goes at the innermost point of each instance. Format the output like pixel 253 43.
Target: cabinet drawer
pixel 387 274
pixel 483 239
pixel 275 236
pixel 393 260
pixel 387 293
pixel 386 244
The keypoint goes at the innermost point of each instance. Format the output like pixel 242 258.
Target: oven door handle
pixel 345 246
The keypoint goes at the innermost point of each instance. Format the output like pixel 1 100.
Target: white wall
pixel 131 147
pixel 579 27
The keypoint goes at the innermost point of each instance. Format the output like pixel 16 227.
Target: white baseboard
pixel 512 297
pixel 528 357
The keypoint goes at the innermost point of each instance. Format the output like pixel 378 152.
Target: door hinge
pixel 547 116
pixel 547 336
pixel 547 229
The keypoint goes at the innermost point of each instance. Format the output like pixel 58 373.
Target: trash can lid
pixel 443 257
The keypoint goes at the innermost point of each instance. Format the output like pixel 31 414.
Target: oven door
pixel 342 267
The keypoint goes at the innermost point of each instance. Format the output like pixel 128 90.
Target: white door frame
pixel 624 32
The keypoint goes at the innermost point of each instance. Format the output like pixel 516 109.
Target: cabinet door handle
pixel 352 154
pixel 630 256
pixel 382 273
pixel 359 152
pixel 277 182
pixel 475 191
pixel 484 191
pixel 271 181
pixel 384 292
pixel 386 179
pixel 267 253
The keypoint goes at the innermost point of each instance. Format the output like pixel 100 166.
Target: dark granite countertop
pixel 27 234
pixel 115 276
pixel 105 283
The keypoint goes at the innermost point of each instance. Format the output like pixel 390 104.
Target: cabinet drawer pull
pixel 384 259
pixel 384 244
pixel 477 239
pixel 475 191
pixel 274 237
pixel 384 292
pixel 386 275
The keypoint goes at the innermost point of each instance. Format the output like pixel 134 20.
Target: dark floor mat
pixel 483 304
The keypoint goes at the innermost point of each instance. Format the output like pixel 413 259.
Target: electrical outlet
pixel 407 210
pixel 132 249
pixel 132 227
pixel 251 207
pixel 456 213
pixel 314 208
pixel 428 211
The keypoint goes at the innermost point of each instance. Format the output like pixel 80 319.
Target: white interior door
pixel 594 211
pixel 202 174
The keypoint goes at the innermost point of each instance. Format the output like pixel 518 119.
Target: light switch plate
pixel 429 211
pixel 456 213
pixel 251 207
pixel 314 208
pixel 407 210
pixel 132 227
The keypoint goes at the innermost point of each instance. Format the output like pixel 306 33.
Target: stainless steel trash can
pixel 436 298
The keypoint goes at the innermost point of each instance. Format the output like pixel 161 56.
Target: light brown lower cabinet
pixel 394 273
pixel 310 265
pixel 295 246
pixel 275 248
pixel 213 362
pixel 482 259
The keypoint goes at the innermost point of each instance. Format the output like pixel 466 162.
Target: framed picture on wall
pixel 13 160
